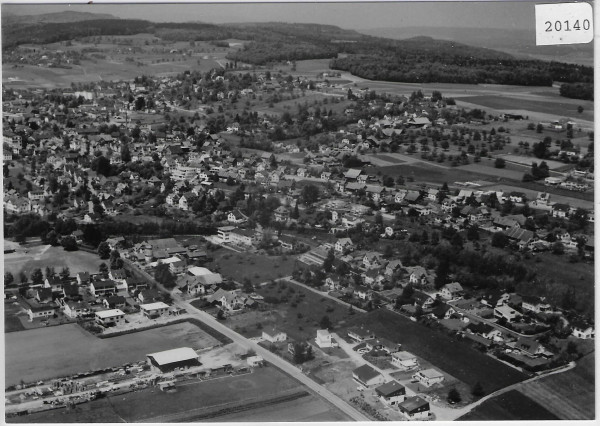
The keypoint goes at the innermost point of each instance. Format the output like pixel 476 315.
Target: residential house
pixel 451 291
pixel 273 335
pixel 367 376
pixel 560 210
pixel 114 302
pixel 414 408
pixel 506 312
pixel 582 330
pixel 443 311
pixel 360 334
pixel 344 246
pixel 154 310
pixel 494 298
pixel 372 260
pixel 535 304
pixel 324 339
pixel 391 393
pixel 110 317
pixel 404 360
pixel 74 309
pixel 148 295
pixel 236 217
pixel 529 347
pixel 281 214
pixel 103 288
pixel 486 331
pixel 428 377
pixel 418 275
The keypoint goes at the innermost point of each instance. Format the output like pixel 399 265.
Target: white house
pixel 110 317
pixel 272 335
pixel 582 331
pixel 428 377
pixel 404 360
pixel 324 339
pixel 154 310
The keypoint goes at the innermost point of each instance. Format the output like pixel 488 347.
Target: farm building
pixel 154 310
pixel 391 393
pixel 429 377
pixel 414 408
pixel 110 317
pixel 166 361
pixel 365 375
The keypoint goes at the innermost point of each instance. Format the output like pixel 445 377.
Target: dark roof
pixel 412 404
pixel 389 389
pixel 365 373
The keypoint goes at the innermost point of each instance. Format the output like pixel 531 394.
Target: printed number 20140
pixel 558 26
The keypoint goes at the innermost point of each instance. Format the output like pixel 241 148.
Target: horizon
pixel 517 15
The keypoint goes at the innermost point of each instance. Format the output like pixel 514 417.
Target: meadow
pixel 512 405
pixel 27 259
pixel 58 351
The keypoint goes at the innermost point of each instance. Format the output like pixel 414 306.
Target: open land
pixel 512 405
pixel 457 358
pixel 30 258
pixel 207 400
pixel 258 268
pixel 68 349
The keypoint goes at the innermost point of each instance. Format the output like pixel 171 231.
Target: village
pixel 162 201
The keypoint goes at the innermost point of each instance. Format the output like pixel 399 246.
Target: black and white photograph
pixel 298 212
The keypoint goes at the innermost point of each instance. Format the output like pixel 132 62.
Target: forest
pixel 583 91
pixel 416 60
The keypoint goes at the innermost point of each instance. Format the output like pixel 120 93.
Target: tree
pixel 579 109
pixel 477 390
pixel 163 275
pixel 221 315
pixel 115 260
pixel 539 128
pixel 328 262
pixel 23 278
pixel 50 272
pixel 8 278
pixel 500 163
pixel 558 248
pixel 69 243
pixel 52 238
pixel 441 273
pixel 310 194
pixel 499 239
pixel 104 250
pixel 325 323
pixel 103 269
pixel 65 273
pixel 454 396
pixel 247 286
pixel 37 277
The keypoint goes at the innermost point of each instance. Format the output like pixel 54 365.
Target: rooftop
pixel 173 355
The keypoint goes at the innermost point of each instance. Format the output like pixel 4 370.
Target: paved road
pixel 275 360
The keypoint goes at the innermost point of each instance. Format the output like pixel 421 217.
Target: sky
pixel 364 15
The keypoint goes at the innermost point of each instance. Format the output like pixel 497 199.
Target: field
pixel 425 172
pixel 258 268
pixel 568 395
pixel 558 107
pixel 11 320
pixel 200 400
pixel 457 358
pixel 512 405
pixel 300 322
pixel 27 259
pixel 67 349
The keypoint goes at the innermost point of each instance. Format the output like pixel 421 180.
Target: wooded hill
pixel 420 59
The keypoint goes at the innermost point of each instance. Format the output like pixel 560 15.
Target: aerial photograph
pixel 296 212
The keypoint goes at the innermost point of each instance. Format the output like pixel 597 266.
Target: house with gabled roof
pixel 451 291
pixel 391 393
pixel 367 376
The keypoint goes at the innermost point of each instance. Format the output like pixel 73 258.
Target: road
pixel 275 360
pixel 324 294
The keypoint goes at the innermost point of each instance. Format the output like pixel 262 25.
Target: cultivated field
pixel 568 395
pixel 27 259
pixel 562 107
pixel 457 358
pixel 63 350
pixel 512 405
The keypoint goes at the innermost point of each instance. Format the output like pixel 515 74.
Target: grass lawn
pixel 28 259
pixel 258 268
pixel 11 321
pixel 423 172
pixel 457 358
pixel 512 405
pixel 63 350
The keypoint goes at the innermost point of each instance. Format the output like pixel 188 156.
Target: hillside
pixel 58 17
pixel 415 60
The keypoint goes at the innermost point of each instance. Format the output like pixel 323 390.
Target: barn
pixel 165 361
